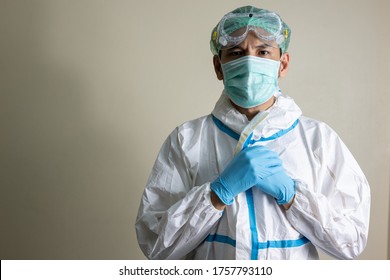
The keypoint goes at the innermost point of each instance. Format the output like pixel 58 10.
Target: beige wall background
pixel 91 89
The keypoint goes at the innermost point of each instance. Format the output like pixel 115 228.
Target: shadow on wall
pixel 55 198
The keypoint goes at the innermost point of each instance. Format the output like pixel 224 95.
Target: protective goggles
pixel 234 28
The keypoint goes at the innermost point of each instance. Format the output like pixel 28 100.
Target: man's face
pixel 254 46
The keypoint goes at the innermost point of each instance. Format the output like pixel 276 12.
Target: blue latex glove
pixel 278 185
pixel 244 171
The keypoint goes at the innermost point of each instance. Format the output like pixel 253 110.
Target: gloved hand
pixel 278 185
pixel 244 171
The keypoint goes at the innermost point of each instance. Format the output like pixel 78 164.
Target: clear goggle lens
pixel 234 28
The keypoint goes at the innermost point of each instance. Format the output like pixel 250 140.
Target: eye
pixel 264 53
pixel 235 53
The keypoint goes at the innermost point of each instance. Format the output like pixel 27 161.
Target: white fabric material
pixel 176 219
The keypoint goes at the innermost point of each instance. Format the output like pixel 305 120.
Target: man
pixel 254 179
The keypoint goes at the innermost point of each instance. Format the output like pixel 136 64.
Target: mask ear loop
pixel 281 61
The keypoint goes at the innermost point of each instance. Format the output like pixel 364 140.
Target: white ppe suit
pixel 176 219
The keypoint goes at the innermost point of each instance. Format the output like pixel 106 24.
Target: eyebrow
pixel 261 46
pixel 265 45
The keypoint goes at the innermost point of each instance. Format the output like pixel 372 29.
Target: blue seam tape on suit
pixel 249 195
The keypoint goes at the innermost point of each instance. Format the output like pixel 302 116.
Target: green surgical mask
pixel 250 81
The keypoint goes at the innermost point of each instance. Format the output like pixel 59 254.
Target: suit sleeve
pixel 174 216
pixel 334 213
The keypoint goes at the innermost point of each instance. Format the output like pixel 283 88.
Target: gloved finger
pixel 267 162
pixel 260 151
pixel 265 172
pixel 257 149
pixel 257 152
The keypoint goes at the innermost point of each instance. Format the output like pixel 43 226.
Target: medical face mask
pixel 250 81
